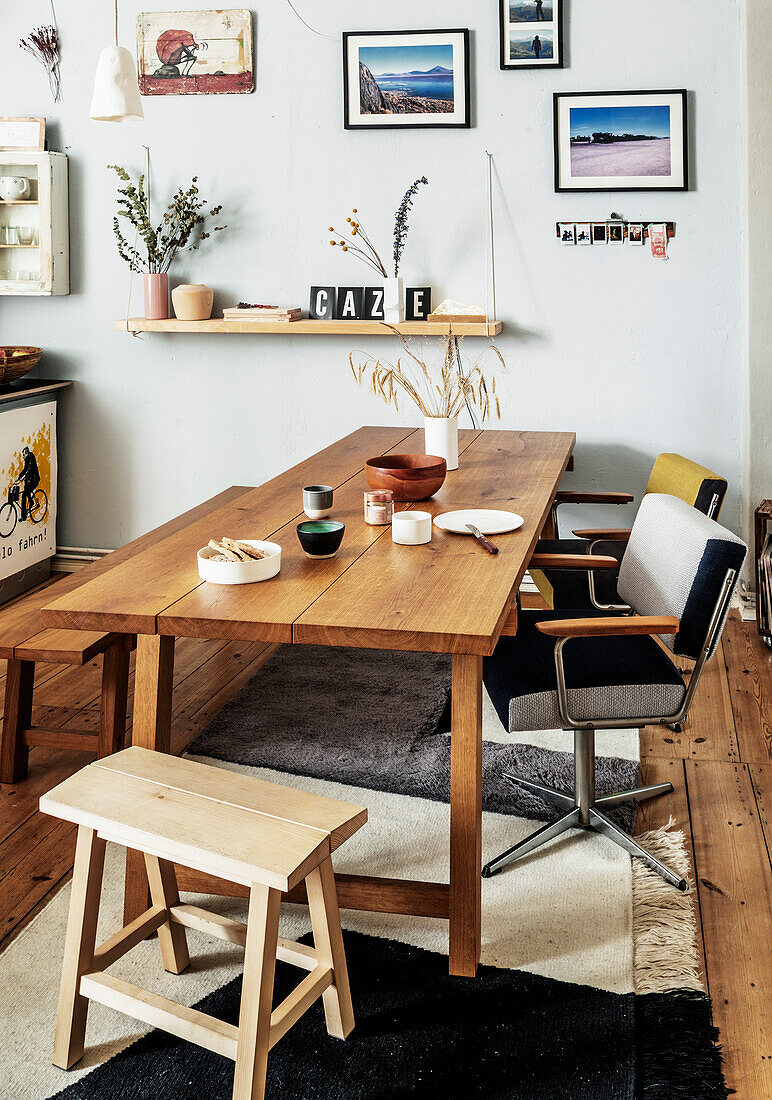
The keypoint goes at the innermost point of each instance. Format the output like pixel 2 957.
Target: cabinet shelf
pixel 311 328
pixel 18 202
pixel 18 246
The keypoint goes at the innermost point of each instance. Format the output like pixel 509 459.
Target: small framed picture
pixel 583 233
pixel 22 134
pixel 635 233
pixel 599 233
pixel 620 141
pixel 616 232
pixel 531 34
pixel 567 232
pixel 398 79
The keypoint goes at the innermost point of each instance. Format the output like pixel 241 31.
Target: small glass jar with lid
pixel 379 507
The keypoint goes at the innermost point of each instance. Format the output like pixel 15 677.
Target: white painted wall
pixel 757 263
pixel 637 356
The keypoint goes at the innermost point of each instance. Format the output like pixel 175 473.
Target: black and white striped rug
pixel 589 987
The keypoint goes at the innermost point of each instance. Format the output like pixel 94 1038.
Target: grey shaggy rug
pixel 380 720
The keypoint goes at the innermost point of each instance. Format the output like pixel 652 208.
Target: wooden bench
pixel 261 835
pixel 23 643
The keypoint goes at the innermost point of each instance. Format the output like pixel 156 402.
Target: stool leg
pixel 112 709
pixel 79 947
pixel 17 717
pixel 163 891
pixel 257 994
pixel 328 941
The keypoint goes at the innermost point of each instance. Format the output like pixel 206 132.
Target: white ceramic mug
pixel 14 187
pixel 411 528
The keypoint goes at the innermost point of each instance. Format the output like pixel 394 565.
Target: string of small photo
pixel 615 230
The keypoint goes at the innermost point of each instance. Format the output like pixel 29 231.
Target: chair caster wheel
pixel 676 727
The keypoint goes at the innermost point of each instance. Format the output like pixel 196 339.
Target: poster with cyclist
pixel 27 486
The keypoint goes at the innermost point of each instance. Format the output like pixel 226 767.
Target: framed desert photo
pixel 396 79
pixel 531 34
pixel 195 52
pixel 620 141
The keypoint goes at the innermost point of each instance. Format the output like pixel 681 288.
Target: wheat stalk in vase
pixel 437 391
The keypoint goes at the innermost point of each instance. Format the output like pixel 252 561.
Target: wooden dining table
pixel 447 596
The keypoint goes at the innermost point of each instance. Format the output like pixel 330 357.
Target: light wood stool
pixel 264 836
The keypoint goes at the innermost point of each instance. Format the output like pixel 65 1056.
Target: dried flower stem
pixel 43 44
pixel 442 394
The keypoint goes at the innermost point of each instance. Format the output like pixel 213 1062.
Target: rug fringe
pixel 665 952
pixel 678 1057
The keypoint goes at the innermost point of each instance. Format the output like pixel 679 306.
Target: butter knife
pixel 483 540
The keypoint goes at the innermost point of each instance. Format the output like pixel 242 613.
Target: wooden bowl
pixel 410 477
pixel 16 367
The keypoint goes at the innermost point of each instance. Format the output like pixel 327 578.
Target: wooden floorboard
pixel 720 767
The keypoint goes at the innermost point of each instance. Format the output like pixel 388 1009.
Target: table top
pixel 446 596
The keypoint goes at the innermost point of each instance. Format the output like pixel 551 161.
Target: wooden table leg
pixel 465 815
pixel 17 717
pixel 151 729
pixel 112 706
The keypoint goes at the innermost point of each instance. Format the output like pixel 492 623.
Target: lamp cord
pixel 116 22
pixel 331 37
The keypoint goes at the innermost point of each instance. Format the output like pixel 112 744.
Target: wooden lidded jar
pixel 192 302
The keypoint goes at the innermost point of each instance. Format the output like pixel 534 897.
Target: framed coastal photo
pixel 531 34
pixel 195 52
pixel 397 79
pixel 620 141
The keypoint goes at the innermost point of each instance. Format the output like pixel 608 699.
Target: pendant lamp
pixel 116 89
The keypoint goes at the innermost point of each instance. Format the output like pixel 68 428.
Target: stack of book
pixel 764 593
pixel 262 313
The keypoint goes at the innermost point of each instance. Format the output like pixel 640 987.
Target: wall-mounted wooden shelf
pixel 310 328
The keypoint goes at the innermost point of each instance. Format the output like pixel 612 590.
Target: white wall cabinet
pixel 34 230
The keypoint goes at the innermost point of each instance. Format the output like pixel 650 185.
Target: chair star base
pixel 584 810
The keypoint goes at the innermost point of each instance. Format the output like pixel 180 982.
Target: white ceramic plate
pixel 489 521
pixel 240 572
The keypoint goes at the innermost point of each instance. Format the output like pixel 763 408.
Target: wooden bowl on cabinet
pixel 16 361
pixel 410 477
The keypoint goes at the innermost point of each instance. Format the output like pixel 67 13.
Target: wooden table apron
pixel 448 596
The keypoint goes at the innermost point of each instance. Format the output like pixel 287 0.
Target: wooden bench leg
pixel 163 891
pixel 17 717
pixel 112 709
pixel 257 994
pixel 79 947
pixel 328 942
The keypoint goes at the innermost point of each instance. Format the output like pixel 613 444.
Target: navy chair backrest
pixel 676 563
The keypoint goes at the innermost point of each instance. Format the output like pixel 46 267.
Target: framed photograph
pixel 567 232
pixel 599 234
pixel 397 79
pixel 635 233
pixel 620 141
pixel 22 134
pixel 616 233
pixel 195 52
pixel 531 34
pixel 583 234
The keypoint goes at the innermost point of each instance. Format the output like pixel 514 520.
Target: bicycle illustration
pixel 10 512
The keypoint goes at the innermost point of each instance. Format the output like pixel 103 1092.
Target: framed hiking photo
pixel 398 79
pixel 531 33
pixel 620 141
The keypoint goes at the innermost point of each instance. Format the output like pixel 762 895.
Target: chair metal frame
pixel 584 809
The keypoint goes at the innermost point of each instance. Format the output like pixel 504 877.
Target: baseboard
pixel 69 559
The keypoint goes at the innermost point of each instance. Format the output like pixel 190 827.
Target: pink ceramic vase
pixel 156 297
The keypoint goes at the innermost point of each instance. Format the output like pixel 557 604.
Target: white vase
pixel 441 438
pixel 393 301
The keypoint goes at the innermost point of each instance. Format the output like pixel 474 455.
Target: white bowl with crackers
pixel 238 561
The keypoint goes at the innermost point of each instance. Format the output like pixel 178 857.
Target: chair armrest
pixel 572 561
pixel 607 534
pixel 607 627
pixel 567 496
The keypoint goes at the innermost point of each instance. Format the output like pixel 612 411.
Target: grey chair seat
pixel 607 678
